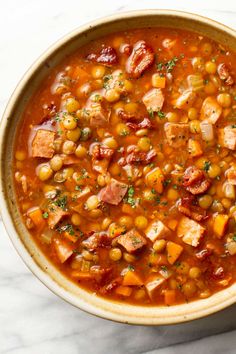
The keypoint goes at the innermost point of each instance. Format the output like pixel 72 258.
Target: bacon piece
pixel 111 286
pixel 141 58
pixel 113 193
pixel 218 273
pixel 195 181
pixel 97 240
pixel 203 254
pixel 144 124
pixel 141 157
pixel 188 207
pixel 42 144
pixel 107 56
pixel 224 74
pixel 126 116
pixel 132 241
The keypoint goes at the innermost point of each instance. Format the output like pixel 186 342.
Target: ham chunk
pixel 153 282
pixel 190 231
pixel 177 134
pixel 113 193
pixel 231 176
pixel 97 240
pixel 227 137
pixel 98 116
pixel 157 230
pixel 132 241
pixel 42 144
pixel 55 215
pixel 63 249
pixel 211 110
pixel 185 100
pixel 153 100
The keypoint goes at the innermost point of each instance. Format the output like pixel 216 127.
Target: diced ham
pixel 98 116
pixel 188 207
pixel 42 144
pixel 227 137
pixel 55 215
pixel 190 231
pixel 224 74
pixel 63 249
pixel 115 81
pixel 157 230
pixel 177 134
pixel 136 157
pixel 113 193
pixel 195 181
pixel 231 175
pixel 185 100
pixel 144 124
pixel 154 100
pixel 141 58
pixel 97 240
pixel 132 241
pixel 153 282
pixel 211 110
pixel 107 56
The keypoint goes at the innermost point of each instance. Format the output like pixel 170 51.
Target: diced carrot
pixel 173 251
pixel 170 297
pixel 80 74
pixel 70 184
pixel 161 259
pixel 155 179
pixel 160 81
pixel 36 216
pixel 127 209
pixel 194 148
pixel 81 275
pixel 172 224
pixel 72 238
pixel 131 278
pixel 220 224
pixel 123 290
pixel 131 139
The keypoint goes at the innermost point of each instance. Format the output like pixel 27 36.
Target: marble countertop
pixel 32 319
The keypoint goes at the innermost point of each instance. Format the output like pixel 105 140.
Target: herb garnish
pixel 207 165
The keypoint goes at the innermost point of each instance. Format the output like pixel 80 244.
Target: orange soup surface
pixel 125 167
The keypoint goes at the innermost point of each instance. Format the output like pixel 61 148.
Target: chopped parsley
pixel 233 126
pixel 61 202
pixel 164 268
pixel 161 114
pixel 171 64
pixel 206 81
pixel 151 113
pixel 234 238
pixel 106 80
pixel 45 215
pixel 78 188
pixel 130 199
pixel 131 191
pixel 68 228
pixel 207 165
pixel 130 267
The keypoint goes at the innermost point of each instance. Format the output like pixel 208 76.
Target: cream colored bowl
pixel 18 233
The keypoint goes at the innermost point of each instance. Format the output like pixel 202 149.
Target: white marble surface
pixel 32 319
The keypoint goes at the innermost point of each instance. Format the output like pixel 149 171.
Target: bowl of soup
pixel 118 167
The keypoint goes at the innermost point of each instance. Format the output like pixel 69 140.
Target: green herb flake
pixel 130 267
pixel 45 215
pixel 207 165
pixel 161 114
pixel 61 202
pixel 234 238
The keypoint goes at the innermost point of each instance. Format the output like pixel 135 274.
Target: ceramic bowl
pixel 20 237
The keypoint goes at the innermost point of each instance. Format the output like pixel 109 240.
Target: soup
pixel 125 167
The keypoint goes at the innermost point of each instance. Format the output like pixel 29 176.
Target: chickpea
pixel 84 90
pixel 210 67
pixel 115 169
pixel 217 207
pixel 98 71
pixel 111 142
pixel 80 151
pixel 192 113
pixel 72 105
pixel 131 107
pixel 201 162
pixel 139 294
pixel 68 147
pixel 224 100
pixel 172 194
pixel 45 172
pixel 95 213
pixel 194 272
pixel 112 95
pixel 56 163
pixel 128 86
pixel 92 202
pixel 194 126
pixel 20 155
pixel 101 180
pixel 183 268
pixel 141 132
pixel 122 129
pixel 74 134
pixel 69 122
pixel 214 171
pixel 206 49
pixel 141 222
pixel 115 254
pixel 144 143
pixel 159 245
pixel 226 203
pixel 228 190
pixel 68 172
pixel 130 258
pixel 167 168
pixel 172 117
pixel 76 219
pixel 105 223
pixel 87 255
pixel 189 288
pixel 86 134
pixel 126 221
pixel 205 201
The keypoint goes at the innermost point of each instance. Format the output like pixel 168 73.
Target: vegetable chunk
pixel 220 224
pixel 154 100
pixel 190 231
pixel 177 134
pixel 42 144
pixel 157 230
pixel 173 251
pixel 55 215
pixel 211 110
pixel 113 193
pixel 155 179
pixel 227 137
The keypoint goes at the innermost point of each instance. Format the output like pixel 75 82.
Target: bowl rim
pixel 8 220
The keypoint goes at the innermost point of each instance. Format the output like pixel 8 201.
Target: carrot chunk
pixel 131 278
pixel 36 216
pixel 173 251
pixel 170 296
pixel 123 290
pixel 220 224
